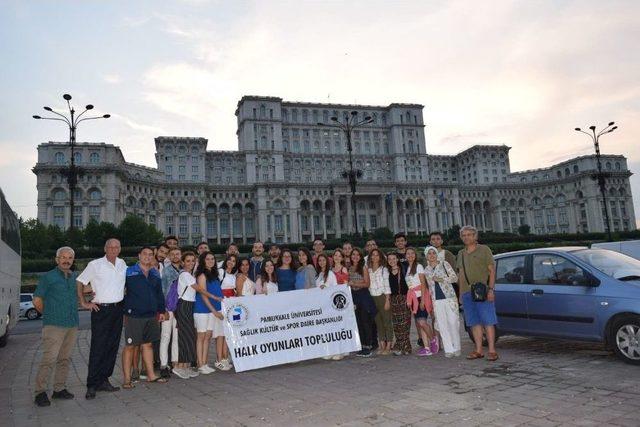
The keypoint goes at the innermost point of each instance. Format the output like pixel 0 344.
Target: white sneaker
pixel 219 365
pixel 192 373
pixel 337 357
pixel 457 353
pixel 327 357
pixel 206 370
pixel 226 365
pixel 181 373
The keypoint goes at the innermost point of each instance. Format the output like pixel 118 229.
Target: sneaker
pixel 107 386
pixel 424 352
pixel 165 373
pixel 192 373
pixel 448 355
pixel 434 346
pixel 327 357
pixel 181 373
pixel 398 352
pixel 226 365
pixel 143 375
pixel 337 357
pixel 219 365
pixel 42 399
pixel 457 353
pixel 205 370
pixel 135 376
pixel 62 394
pixel 365 352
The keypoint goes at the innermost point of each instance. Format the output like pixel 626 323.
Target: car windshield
pixel 614 264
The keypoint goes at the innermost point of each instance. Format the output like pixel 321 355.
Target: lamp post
pixel 72 121
pixel 347 126
pixel 601 176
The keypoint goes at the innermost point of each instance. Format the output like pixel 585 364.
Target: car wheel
pixel 32 314
pixel 625 337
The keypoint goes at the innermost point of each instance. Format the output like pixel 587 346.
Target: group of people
pixel 170 302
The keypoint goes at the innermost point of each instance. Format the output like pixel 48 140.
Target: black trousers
pixel 106 329
pixel 365 326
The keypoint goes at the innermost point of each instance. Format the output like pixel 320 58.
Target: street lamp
pixel 350 123
pixel 601 176
pixel 72 121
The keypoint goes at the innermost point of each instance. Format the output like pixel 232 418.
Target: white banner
pixel 285 327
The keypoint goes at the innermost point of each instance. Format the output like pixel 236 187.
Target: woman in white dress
pixel 244 285
pixel 268 280
pixel 325 276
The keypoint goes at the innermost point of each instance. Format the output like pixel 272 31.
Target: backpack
pixel 172 296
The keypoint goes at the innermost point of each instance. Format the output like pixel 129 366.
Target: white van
pixel 10 269
pixel 628 247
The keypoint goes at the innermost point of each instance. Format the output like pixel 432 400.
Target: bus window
pixel 10 231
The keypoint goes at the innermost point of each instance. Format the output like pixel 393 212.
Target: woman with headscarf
pixel 440 277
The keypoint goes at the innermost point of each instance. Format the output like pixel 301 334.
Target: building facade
pixel 285 184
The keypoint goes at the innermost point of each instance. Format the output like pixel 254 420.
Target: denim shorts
pixel 421 314
pixel 478 313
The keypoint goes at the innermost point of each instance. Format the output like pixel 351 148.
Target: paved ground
pixel 26 326
pixel 536 382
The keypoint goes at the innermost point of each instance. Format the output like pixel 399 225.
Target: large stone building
pixel 284 183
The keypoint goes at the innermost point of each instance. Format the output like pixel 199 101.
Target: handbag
pixel 479 290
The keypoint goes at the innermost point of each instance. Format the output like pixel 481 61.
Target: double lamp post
pixel 601 176
pixel 71 172
pixel 348 125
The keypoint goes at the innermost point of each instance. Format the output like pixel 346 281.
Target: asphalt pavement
pixel 26 326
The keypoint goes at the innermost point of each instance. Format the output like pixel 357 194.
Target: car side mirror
pixel 586 279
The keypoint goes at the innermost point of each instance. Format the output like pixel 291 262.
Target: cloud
pixel 150 129
pixel 112 78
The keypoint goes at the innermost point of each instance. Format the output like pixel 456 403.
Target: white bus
pixel 10 269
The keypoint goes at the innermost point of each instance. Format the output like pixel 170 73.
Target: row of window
pixel 60 158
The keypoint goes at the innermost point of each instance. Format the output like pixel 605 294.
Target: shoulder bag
pixel 478 289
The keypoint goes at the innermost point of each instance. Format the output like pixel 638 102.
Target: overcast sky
pixel 520 73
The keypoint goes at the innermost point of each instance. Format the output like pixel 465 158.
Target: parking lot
pixel 536 382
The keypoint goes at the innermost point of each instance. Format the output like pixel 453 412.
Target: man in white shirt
pixel 107 278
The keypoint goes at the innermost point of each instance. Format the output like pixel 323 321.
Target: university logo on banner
pixel 267 330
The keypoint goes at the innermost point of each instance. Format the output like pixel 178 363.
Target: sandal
pixel 158 380
pixel 475 355
pixel 128 386
pixel 492 357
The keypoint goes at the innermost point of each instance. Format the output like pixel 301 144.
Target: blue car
pixel 571 292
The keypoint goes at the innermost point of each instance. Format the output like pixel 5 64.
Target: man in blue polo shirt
pixel 56 298
pixel 143 310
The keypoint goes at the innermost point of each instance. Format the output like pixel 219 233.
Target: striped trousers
pixel 186 332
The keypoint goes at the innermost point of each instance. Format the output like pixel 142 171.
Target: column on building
pixel 394 215
pixel 431 213
pixel 324 223
pixel 383 211
pixel 349 215
pixel 336 216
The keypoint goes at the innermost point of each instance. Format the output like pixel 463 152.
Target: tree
pixel 452 234
pixel 382 233
pixel 34 236
pixel 133 231
pixel 96 234
pixel 524 230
